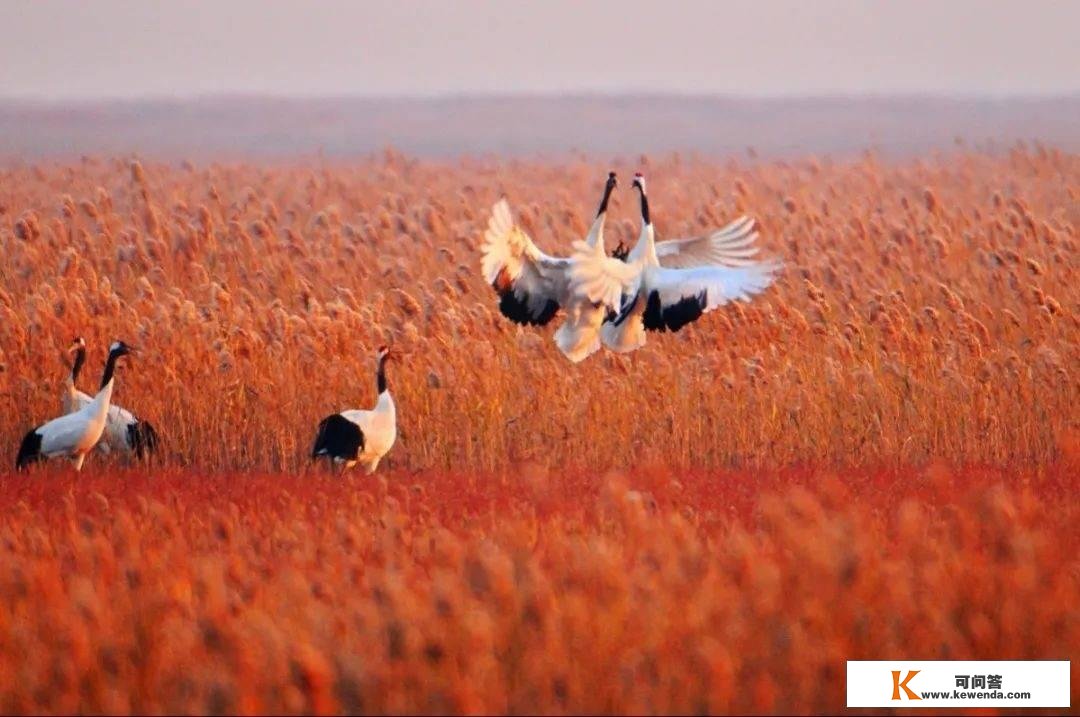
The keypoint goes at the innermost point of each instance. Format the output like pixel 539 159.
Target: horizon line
pixel 243 95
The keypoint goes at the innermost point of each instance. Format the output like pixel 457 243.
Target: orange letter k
pixel 897 684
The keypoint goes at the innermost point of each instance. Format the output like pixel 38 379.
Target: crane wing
pixel 676 297
pixel 600 279
pixel 529 283
pixel 62 434
pixel 731 246
pixel 120 415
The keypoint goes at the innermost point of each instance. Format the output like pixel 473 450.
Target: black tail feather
pixel 29 450
pixel 143 438
pixel 521 310
pixel 338 437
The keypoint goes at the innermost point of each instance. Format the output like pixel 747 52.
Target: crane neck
pixel 608 189
pixel 645 249
pixel 99 405
pixel 644 206
pixel 596 232
pixel 110 368
pixel 380 376
pixel 76 366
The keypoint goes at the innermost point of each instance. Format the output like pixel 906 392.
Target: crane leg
pixel 79 461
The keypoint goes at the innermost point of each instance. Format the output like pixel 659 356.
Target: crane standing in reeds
pixel 359 436
pixel 74 434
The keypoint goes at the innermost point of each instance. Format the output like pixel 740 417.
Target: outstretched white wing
pixel 731 246
pixel 669 299
pixel 676 297
pixel 530 284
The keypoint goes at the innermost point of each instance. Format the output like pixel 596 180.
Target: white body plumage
pixel 75 434
pixel 120 424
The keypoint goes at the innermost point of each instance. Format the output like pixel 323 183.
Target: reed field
pixel 878 457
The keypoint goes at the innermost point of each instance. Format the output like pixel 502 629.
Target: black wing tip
pixel 673 317
pixel 338 437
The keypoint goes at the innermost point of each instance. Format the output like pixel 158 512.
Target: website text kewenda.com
pixel 963 695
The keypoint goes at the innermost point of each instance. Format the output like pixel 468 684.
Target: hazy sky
pixel 127 49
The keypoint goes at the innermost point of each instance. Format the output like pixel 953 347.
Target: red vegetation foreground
pixel 520 592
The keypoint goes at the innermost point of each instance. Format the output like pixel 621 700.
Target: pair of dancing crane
pixel 609 301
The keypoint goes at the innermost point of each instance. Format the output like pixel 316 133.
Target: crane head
pixel 119 348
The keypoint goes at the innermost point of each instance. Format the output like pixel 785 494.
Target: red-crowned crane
pixel 673 283
pixel 358 436
pixel 533 286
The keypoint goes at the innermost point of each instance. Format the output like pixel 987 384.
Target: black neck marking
pixel 110 366
pixel 644 205
pixel 608 188
pixel 381 375
pixel 76 367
